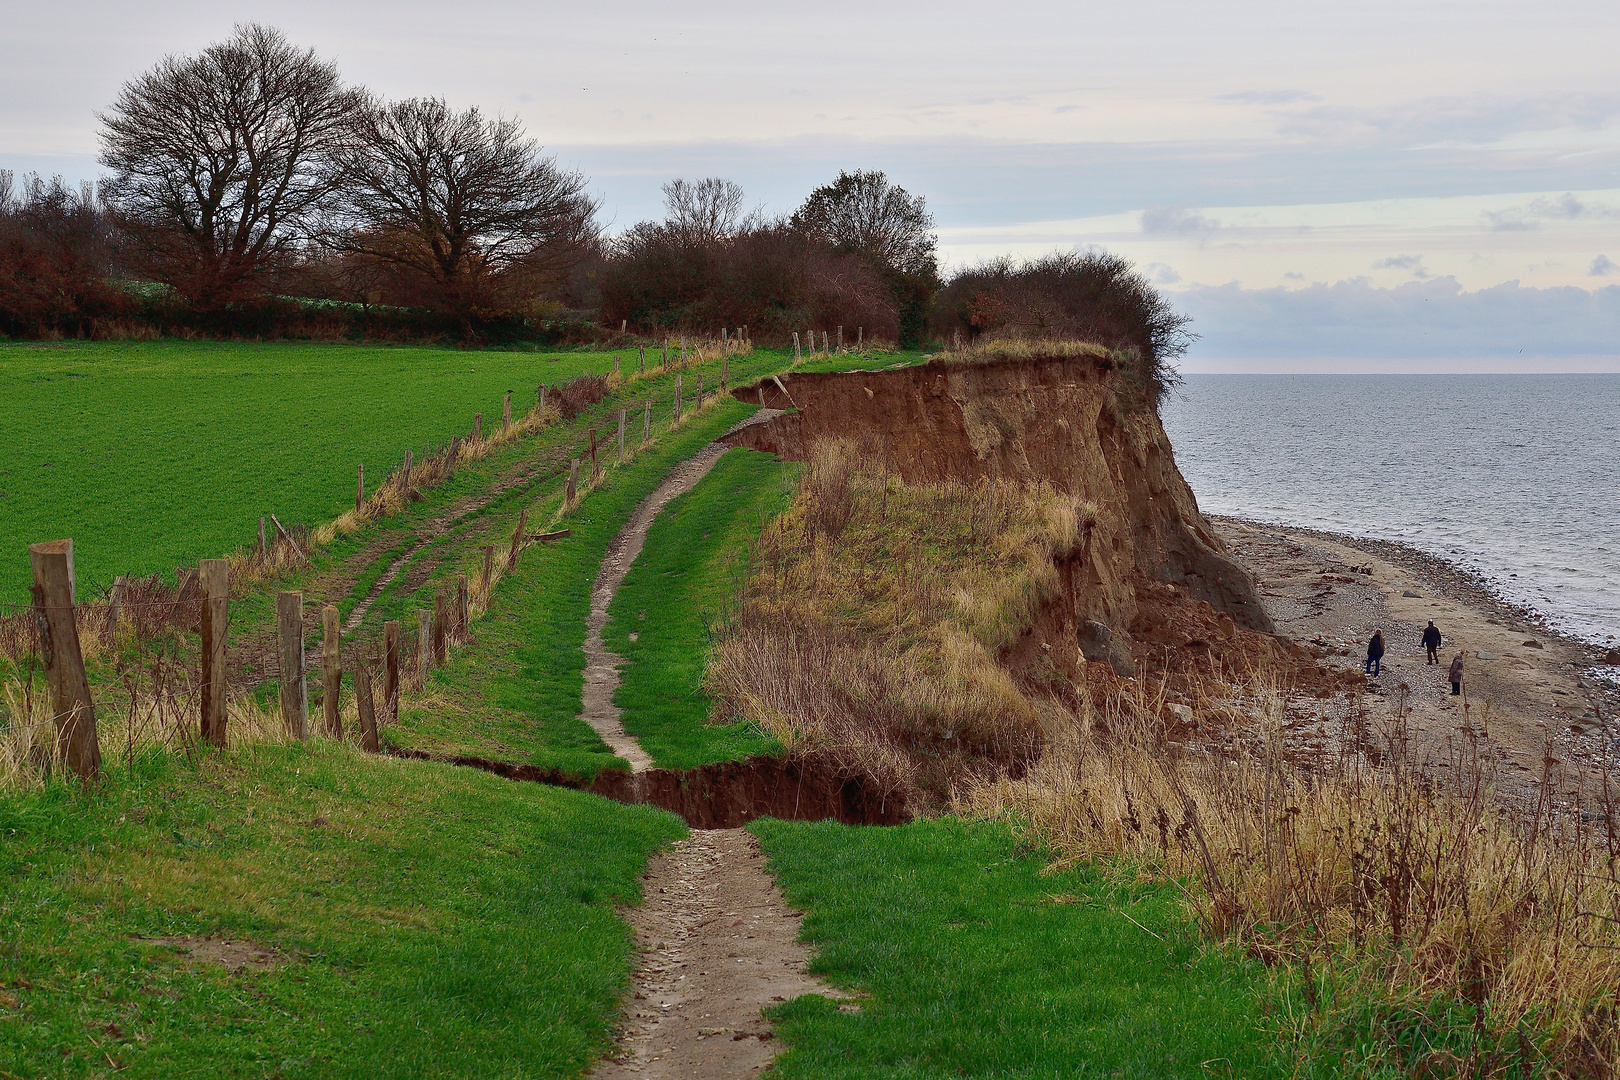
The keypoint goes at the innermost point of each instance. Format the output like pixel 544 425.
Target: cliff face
pixel 1062 420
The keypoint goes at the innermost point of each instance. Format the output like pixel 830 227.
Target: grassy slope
pixel 973 970
pixel 515 693
pixel 438 921
pixel 201 439
pixel 696 551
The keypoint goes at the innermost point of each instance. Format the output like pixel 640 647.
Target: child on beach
pixel 1375 653
pixel 1456 676
pixel 1431 642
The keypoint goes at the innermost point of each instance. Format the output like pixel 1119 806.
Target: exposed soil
pixel 1526 684
pixel 223 952
pixel 718 944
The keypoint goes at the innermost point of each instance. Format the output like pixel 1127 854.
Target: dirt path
pixel 601 663
pixel 717 944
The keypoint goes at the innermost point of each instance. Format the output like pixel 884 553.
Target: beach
pixel 1539 699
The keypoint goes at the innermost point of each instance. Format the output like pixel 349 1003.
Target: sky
pixel 1370 187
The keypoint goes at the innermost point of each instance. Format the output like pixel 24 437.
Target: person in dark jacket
pixel 1456 676
pixel 1431 642
pixel 1375 653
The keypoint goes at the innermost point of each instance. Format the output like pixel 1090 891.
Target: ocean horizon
pixel 1514 478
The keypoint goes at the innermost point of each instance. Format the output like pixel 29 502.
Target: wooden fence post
pixel 622 324
pixel 366 707
pixel 441 628
pixel 616 365
pixel 621 436
pixel 642 369
pixel 826 348
pixel 294 692
pixel 391 668
pixel 797 356
pixel 461 607
pixel 646 422
pixel 405 478
pixel 596 470
pixel 722 336
pixel 573 483
pixel 115 601
pixel 840 337
pixel 58 630
pixel 478 426
pixel 331 672
pixel 523 523
pixel 540 401
pixel 762 395
pixel 664 363
pixel 506 410
pixel 216 581
pixel 359 486
pixel 683 350
pixel 489 571
pixel 424 645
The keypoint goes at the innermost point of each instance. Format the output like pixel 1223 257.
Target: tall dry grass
pixel 870 629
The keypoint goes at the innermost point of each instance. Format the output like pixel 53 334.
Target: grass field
pixel 155 454
pixel 693 563
pixel 422 920
pixel 970 961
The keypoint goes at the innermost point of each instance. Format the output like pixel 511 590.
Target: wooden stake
pixel 825 347
pixel 646 422
pixel 58 629
pixel 797 356
pixel 596 470
pixel 391 669
pixel 424 645
pixel 441 628
pixel 664 363
pixel 517 536
pixel 621 436
pixel 359 486
pixel 366 708
pixel 461 607
pixel 489 571
pixel 615 366
pixel 281 531
pixel 216 580
pixel 762 395
pixel 860 338
pixel 115 600
pixel 573 483
pixel 622 324
pixel 540 402
pixel 506 410
pixel 840 337
pixel 642 361
pixel 331 672
pixel 294 692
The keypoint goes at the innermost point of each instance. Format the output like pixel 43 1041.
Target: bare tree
pixel 221 160
pixel 464 202
pixel 706 212
pixel 862 213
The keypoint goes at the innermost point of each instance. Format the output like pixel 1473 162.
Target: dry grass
pixel 870 630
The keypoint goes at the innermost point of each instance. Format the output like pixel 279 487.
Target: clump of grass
pixel 872 628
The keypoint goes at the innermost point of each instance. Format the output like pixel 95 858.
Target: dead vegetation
pixel 1416 926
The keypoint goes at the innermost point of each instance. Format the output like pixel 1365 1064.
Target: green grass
pixel 156 454
pixel 967 966
pixel 695 559
pixel 514 693
pixel 431 921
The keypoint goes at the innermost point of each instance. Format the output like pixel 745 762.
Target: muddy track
pixel 602 664
pixel 718 943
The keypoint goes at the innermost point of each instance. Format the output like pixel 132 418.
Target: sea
pixel 1514 478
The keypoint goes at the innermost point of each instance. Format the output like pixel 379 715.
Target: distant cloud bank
pixel 1433 319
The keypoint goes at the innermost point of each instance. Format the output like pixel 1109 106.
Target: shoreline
pixel 1454 582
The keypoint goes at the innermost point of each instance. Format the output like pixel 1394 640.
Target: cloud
pixel 1177 221
pixel 1532 214
pixel 1455 121
pixel 1602 266
pixel 1269 97
pixel 1414 263
pixel 1294 275
pixel 1420 319
pixel 1161 273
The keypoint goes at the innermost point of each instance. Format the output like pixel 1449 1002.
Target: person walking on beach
pixel 1456 676
pixel 1431 642
pixel 1375 653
